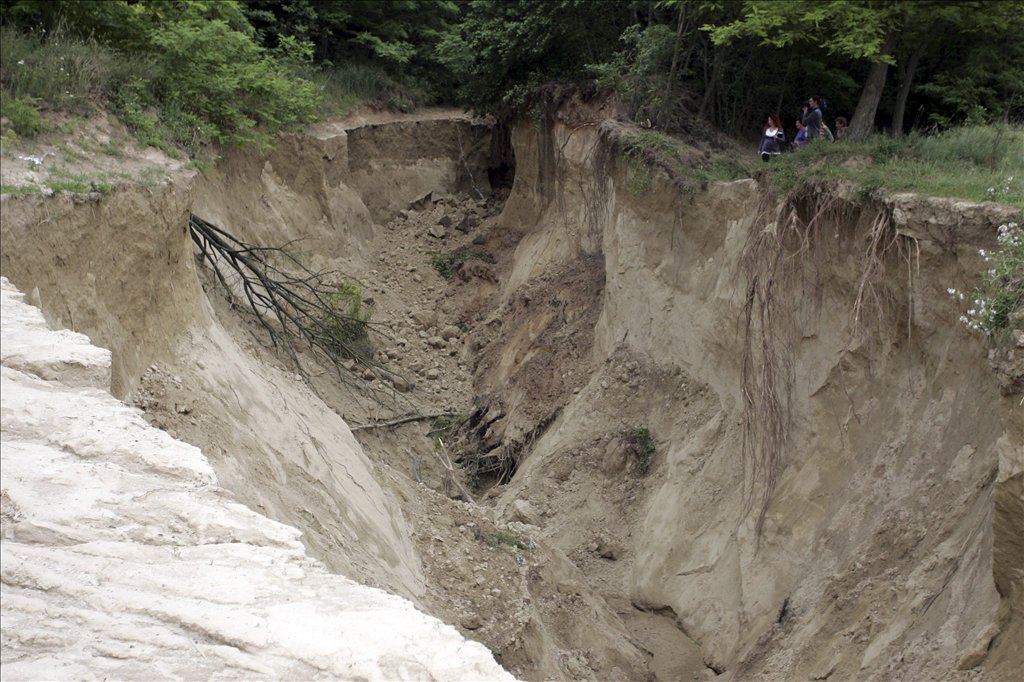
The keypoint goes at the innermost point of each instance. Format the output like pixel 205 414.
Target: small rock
pixel 437 342
pixel 401 384
pixel 472 623
pixel 606 550
pixel 451 332
pixel 425 318
pixel 422 202
pixel 368 374
pixel 438 232
pixel 445 221
pixel 524 512
pixel 432 373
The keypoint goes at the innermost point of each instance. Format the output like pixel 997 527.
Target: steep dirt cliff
pixel 882 554
pixel 869 529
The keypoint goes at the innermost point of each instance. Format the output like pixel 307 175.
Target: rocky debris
pixel 438 232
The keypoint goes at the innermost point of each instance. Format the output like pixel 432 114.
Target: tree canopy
pixel 231 67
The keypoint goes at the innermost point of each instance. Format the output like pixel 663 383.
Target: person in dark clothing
pixel 812 118
pixel 772 138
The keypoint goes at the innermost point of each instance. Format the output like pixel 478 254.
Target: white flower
pixel 964 320
pixel 981 252
pixel 950 291
pixel 21 62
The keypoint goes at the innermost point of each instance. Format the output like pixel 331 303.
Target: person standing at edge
pixel 812 118
pixel 772 138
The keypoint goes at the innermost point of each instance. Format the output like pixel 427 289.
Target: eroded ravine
pixel 602 311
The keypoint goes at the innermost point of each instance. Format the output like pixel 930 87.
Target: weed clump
pixel 640 445
pixel 447 263
pixel 345 331
pixel 505 538
pixel 444 427
pixel 23 114
pixel 997 302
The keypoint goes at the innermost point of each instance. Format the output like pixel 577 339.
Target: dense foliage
pixel 192 71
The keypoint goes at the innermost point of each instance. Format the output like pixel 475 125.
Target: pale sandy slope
pixel 122 557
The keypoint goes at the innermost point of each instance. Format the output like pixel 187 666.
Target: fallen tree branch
pixel 294 305
pixel 403 420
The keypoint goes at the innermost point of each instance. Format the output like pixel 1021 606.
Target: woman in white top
pixel 772 138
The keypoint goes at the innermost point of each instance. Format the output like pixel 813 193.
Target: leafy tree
pixel 501 51
pixel 213 80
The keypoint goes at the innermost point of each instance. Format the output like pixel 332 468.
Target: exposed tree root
pixel 781 265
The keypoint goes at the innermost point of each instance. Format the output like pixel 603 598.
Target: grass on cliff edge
pixel 976 163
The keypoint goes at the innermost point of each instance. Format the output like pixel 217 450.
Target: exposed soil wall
pixel 876 558
pixel 118 269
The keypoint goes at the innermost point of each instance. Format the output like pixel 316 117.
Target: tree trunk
pixel 673 72
pixel 712 81
pixel 904 91
pixel 863 122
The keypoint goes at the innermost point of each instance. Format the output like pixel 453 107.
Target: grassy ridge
pixel 976 163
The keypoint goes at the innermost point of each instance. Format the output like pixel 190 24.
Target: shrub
pixel 645 151
pixel 640 444
pixel 346 332
pixel 997 303
pixel 447 263
pixel 221 85
pixel 443 427
pixel 345 86
pixel 640 75
pixel 23 113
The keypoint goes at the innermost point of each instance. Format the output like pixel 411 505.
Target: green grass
pixel 977 163
pixel 19 190
pixel 61 180
pixel 70 154
pixel 62 72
